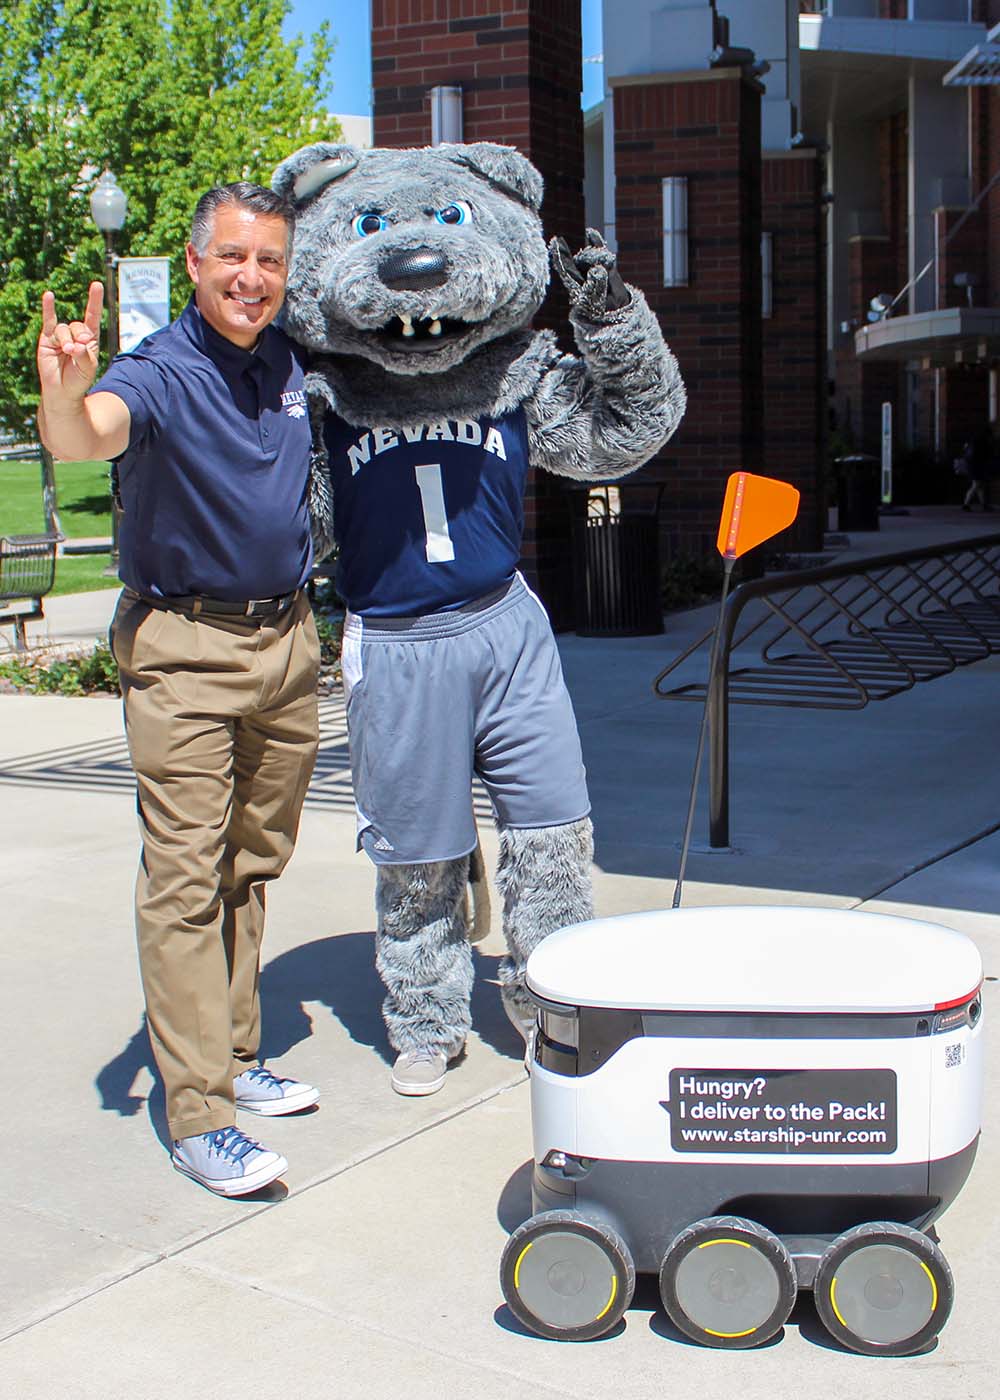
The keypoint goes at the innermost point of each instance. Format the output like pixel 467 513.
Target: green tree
pixel 174 96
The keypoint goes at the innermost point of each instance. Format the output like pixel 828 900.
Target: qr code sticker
pixel 953 1055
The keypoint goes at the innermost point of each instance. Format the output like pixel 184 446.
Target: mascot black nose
pixel 411 270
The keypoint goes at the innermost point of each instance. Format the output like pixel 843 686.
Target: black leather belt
pixel 255 608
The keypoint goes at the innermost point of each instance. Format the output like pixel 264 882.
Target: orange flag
pixel 755 509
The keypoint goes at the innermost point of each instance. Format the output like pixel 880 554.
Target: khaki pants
pixel 222 726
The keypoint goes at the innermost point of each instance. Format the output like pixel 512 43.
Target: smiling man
pixel 216 648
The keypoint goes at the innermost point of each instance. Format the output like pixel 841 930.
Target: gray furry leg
pixel 544 877
pixel 422 954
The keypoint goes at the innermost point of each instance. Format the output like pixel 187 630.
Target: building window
pixel 767 275
pixel 675 231
pixel 446 115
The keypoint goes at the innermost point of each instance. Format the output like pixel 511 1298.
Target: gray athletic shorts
pixel 433 700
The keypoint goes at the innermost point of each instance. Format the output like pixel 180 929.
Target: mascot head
pixel 412 259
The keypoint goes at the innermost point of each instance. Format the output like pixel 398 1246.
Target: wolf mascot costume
pixel 414 278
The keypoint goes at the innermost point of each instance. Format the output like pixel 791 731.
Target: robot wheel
pixel 883 1289
pixel 566 1276
pixel 727 1282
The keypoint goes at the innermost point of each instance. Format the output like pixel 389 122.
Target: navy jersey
pixel 430 518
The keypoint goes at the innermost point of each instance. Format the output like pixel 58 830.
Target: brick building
pixel 904 98
pixel 518 66
pixel 697 167
pixel 764 174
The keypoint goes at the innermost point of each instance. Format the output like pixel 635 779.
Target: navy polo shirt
pixel 215 479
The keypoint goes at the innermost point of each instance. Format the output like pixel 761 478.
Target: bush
pixel 688 580
pixel 330 630
pixel 96 671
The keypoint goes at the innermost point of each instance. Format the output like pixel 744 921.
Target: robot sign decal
pixel 796 1111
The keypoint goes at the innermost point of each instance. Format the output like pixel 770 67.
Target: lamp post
pixel 108 207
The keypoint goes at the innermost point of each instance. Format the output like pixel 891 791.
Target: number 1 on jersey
pixel 440 549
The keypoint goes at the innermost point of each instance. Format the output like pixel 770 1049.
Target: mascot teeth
pixel 435 327
pixel 407 325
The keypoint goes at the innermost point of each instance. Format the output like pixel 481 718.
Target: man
pixel 216 647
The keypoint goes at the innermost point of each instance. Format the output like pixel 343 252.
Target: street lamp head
pixel 881 306
pixel 108 204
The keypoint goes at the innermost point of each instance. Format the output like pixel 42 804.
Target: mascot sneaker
pixel 227 1162
pixel 259 1091
pixel 420 1071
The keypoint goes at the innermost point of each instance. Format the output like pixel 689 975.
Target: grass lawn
pixel 82 491
pixel 82 573
pixel 84 502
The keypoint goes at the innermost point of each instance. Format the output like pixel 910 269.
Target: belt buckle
pixel 253 604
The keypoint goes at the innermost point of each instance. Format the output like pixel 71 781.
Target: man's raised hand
pixel 67 350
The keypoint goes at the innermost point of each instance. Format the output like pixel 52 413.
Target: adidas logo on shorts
pixel 382 845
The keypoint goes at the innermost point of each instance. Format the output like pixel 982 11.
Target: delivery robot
pixel 749 1101
pixel 744 1102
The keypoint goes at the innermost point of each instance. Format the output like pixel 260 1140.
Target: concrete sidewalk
pixel 377 1275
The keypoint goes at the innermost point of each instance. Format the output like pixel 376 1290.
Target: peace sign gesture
pixel 67 351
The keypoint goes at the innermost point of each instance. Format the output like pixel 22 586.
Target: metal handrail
pixel 865 629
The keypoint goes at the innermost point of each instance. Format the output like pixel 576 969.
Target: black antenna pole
pixel 727 573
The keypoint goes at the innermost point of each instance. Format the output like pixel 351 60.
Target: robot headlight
pixel 561 1026
pixel 567 1164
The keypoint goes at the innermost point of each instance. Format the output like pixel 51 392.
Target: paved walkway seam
pixel 378 1150
pixel 365 1324
pixel 964 845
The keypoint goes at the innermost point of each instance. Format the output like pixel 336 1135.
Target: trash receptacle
pixel 858 491
pixel 617 562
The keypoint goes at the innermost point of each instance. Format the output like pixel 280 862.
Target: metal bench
pixel 28 562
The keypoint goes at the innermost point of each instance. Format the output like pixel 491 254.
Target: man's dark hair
pixel 241 194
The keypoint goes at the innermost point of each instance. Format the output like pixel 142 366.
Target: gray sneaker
pixel 419 1071
pixel 259 1091
pixel 227 1162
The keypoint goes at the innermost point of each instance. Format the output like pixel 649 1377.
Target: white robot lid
pixel 756 958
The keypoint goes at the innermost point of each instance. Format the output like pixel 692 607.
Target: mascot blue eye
pixel 457 213
pixel 368 223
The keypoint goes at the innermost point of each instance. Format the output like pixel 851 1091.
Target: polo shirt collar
pixel 225 354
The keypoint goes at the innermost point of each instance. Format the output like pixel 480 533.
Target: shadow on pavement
pixel 514 1205
pixel 503 1317
pixel 339 972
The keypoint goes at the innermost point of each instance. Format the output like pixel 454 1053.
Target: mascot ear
pixel 503 167
pixel 306 172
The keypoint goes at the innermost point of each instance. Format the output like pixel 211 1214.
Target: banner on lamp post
pixel 143 299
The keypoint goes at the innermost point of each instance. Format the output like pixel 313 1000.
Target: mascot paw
pixel 591 277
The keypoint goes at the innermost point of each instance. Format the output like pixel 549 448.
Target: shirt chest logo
pixel 294 403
